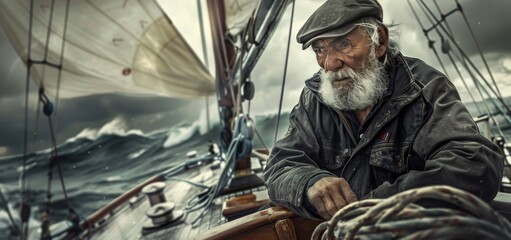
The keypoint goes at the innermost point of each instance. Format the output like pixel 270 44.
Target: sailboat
pixel 78 48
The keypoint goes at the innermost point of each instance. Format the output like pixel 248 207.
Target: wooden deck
pixel 127 220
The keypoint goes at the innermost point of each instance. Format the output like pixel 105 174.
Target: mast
pixel 227 90
pixel 224 54
pixel 234 63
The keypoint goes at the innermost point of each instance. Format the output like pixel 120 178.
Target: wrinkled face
pixel 352 75
pixel 349 51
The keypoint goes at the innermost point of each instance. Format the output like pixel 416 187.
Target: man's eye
pixel 344 44
pixel 319 50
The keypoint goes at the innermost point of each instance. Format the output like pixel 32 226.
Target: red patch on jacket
pixel 384 136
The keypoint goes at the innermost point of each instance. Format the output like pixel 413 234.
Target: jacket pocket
pixel 388 162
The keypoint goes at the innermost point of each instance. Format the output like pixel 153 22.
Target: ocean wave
pixel 180 133
pixel 115 127
pixel 98 164
pixel 136 154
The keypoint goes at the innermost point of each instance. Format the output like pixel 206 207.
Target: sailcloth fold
pixel 124 46
pixel 238 13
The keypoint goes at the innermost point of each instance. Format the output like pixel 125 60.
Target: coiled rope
pixel 398 217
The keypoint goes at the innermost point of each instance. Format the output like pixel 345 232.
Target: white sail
pixel 124 46
pixel 238 13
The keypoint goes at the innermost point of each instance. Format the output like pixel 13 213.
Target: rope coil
pixel 398 217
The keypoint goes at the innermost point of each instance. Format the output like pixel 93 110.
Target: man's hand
pixel 330 194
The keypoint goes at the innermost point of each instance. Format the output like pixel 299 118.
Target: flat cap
pixel 337 18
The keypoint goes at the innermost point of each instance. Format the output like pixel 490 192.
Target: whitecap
pixel 115 127
pixel 180 133
pixel 113 178
pixel 136 154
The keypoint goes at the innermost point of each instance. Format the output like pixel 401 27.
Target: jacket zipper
pixel 348 126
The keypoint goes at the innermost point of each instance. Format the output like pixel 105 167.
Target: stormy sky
pixel 489 19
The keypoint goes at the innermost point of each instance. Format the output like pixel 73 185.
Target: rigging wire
pixel 61 61
pixel 478 47
pixel 465 56
pixel 455 65
pixel 242 50
pixel 462 60
pixel 446 50
pixel 204 200
pixel 240 147
pixel 46 101
pixel 35 132
pixel 225 72
pixel 285 71
pixel 261 139
pixel 491 115
pixel 14 226
pixel 248 106
pixel 242 53
pixel 55 151
pixel 431 43
pixel 223 75
pixel 25 205
pixel 441 14
pixel 255 128
pixel 48 32
pixel 48 110
pixel 246 37
pixel 479 86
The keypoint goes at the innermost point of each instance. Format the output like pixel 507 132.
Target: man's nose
pixel 334 61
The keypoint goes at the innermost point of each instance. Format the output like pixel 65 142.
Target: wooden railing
pixel 271 223
pixel 90 222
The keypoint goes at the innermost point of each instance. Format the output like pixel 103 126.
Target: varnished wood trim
pixel 261 225
pixel 247 223
pixel 285 229
pixel 243 207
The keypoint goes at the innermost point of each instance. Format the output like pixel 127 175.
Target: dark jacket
pixel 420 134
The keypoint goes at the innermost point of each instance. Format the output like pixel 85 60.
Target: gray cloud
pixel 489 19
pixel 72 115
pixel 269 72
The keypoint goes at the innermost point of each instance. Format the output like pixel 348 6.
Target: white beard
pixel 364 90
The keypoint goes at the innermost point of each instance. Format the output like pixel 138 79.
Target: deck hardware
pixel 161 212
pixel 154 193
pixel 160 216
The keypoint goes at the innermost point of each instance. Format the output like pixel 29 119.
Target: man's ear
pixel 383 44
